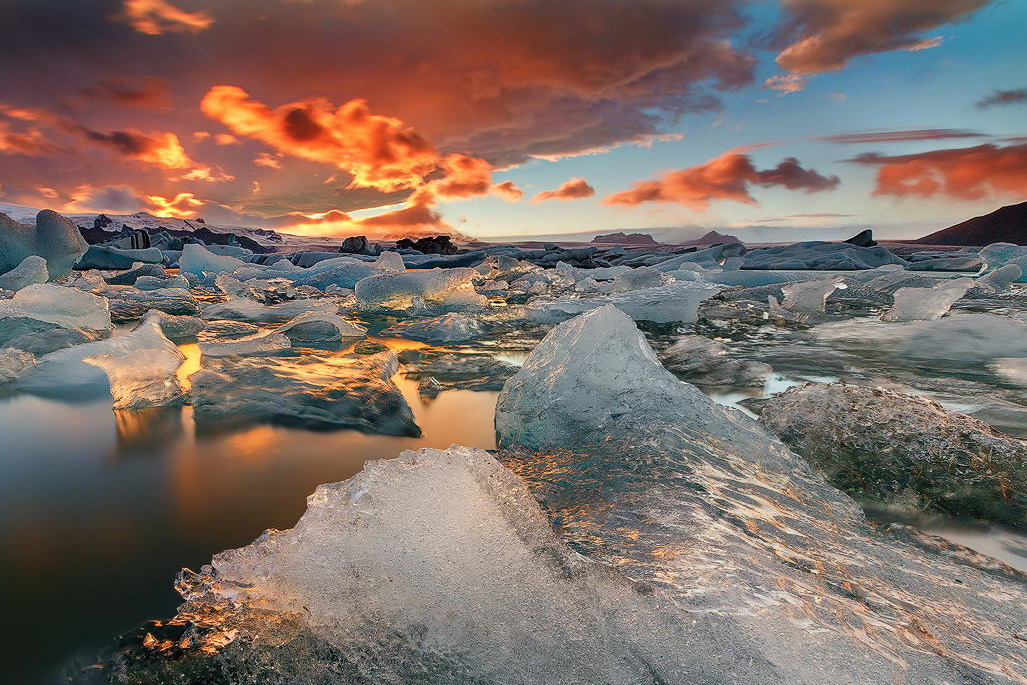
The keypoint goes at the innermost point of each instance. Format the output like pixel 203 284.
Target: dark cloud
pixel 728 177
pixel 817 36
pixel 1003 97
pixel 900 136
pixel 150 92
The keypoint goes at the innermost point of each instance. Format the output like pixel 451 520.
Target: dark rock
pixel 863 239
pixel 358 244
pixel 885 447
pixel 1004 225
pixel 440 244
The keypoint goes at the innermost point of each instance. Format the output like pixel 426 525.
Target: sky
pixel 770 119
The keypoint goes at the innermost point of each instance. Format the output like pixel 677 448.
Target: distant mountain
pixel 626 239
pixel 712 238
pixel 1004 225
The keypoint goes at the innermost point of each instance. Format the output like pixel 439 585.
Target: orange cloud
pixel 963 173
pixel 154 17
pixel 465 177
pixel 573 189
pixel 31 142
pixel 183 205
pixel 823 35
pixel 379 152
pixel 270 161
pixel 728 177
pixel 786 83
pixel 148 92
pixel 508 191
pixel 413 220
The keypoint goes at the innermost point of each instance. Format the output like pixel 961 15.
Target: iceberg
pixel 255 345
pixel 809 297
pixel 157 283
pixel 30 271
pixel 957 339
pixel 674 303
pixel 67 307
pixel 322 391
pixel 176 327
pixel 138 369
pixel 128 303
pixel 390 262
pixel 439 567
pixel 245 309
pixel 342 272
pixel 201 262
pixel 711 509
pixel 398 290
pixel 53 237
pixel 997 255
pixel 887 448
pixel 14 363
pixel 105 257
pixel 319 328
pixel 440 329
pixel 927 304
pixel 702 361
pixel 1001 279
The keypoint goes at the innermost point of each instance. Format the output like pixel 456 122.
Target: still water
pixel 99 509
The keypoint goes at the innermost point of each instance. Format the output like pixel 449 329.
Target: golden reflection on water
pixel 191 364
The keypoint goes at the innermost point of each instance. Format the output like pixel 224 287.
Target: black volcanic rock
pixel 440 244
pixel 1005 225
pixel 626 239
pixel 357 244
pixel 863 239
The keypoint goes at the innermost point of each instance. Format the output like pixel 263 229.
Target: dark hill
pixel 1004 225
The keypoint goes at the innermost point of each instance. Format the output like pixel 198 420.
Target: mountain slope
pixel 1004 225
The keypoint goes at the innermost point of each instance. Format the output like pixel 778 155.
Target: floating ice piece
pixel 104 257
pixel 888 448
pixel 14 363
pixel 343 272
pixel 464 298
pixel 711 257
pixel 809 297
pixel 636 279
pixel 819 255
pixel 606 273
pixel 1000 280
pixel 244 309
pixel 1011 369
pixel 155 283
pixel 138 368
pixel 68 307
pixel 676 302
pixel 776 310
pixel 256 345
pixel 706 362
pixel 955 339
pixel 32 270
pixel 176 327
pixel 997 255
pixel 138 270
pixel 128 303
pixel 396 291
pixel 198 260
pixel 440 329
pixel 493 616
pixel 927 304
pixel 53 237
pixel 320 328
pixel 313 390
pixel 390 262
pixel 45 341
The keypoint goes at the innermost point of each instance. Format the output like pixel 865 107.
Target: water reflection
pixel 99 509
